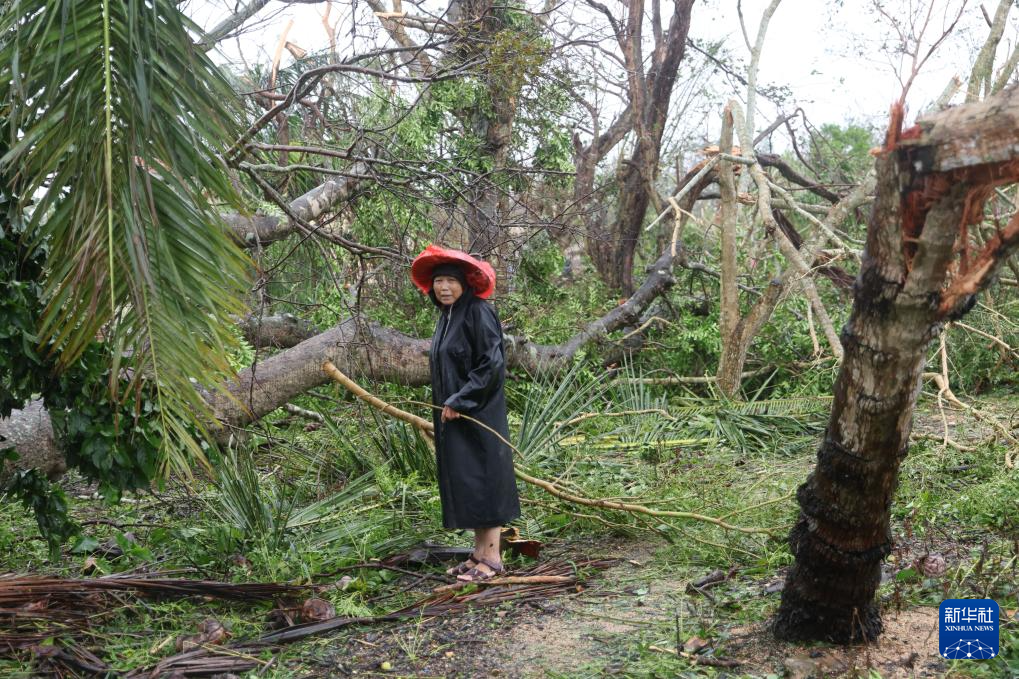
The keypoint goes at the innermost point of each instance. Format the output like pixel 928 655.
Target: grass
pixel 284 509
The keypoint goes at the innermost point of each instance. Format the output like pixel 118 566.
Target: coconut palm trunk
pixel 919 271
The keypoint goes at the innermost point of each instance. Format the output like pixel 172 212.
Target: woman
pixel 467 358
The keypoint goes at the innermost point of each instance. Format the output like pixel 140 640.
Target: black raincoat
pixel 476 481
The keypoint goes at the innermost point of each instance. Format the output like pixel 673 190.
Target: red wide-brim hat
pixel 480 275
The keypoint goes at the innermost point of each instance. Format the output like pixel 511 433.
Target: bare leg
pixel 486 546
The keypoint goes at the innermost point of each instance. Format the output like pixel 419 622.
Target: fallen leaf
pixel 694 644
pixel 212 631
pixel 317 610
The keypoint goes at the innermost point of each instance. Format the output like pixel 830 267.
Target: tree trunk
pixel 480 23
pixel 30 433
pixel 613 249
pixel 933 181
pixel 380 353
pixel 260 229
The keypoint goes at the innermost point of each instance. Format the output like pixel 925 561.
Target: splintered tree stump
pixel 919 271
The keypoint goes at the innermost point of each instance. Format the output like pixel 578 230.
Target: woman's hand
pixel 448 414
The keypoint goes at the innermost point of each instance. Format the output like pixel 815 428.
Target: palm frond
pixel 762 425
pixel 118 123
pixel 803 405
pixel 550 403
pixel 267 510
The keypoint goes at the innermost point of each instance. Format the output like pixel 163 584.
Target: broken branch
pixel 547 486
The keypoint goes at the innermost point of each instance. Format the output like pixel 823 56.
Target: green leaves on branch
pixel 46 500
pixel 117 124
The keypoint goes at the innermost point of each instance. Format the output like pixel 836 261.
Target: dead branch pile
pixel 566 576
pixel 34 608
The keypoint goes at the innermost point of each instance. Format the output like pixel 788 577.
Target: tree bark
pixel 279 331
pixel 365 349
pixel 933 180
pixel 480 23
pixel 729 315
pixel 613 249
pixel 30 433
pixel 983 67
pixel 261 229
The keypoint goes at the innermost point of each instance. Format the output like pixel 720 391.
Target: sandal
pixel 463 566
pixel 477 575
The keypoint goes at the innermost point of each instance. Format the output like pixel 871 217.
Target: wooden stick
pixel 511 580
pixel 418 422
pixel 279 54
pixel 550 488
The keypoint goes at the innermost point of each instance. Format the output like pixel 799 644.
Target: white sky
pixel 826 51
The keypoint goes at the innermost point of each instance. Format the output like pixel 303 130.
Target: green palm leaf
pixel 551 401
pixel 803 405
pixel 119 123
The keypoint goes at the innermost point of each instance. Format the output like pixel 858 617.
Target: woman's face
pixel 447 289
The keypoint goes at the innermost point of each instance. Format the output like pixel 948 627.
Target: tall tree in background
pixel 920 270
pixel 612 247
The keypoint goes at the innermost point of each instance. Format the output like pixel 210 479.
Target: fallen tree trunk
pixel 365 349
pixel 280 331
pixel 261 229
pixel 358 347
pixel 30 433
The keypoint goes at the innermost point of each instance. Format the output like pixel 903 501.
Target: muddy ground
pixel 609 629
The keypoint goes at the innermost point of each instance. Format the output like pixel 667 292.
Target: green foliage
pixel 118 123
pixel 757 425
pixel 116 442
pixel 254 510
pixel 976 363
pixel 693 344
pixel 547 310
pixel 548 404
pixel 266 515
pixel 842 153
pixel 22 370
pixel 113 440
pixel 46 500
pixel 540 264
pixel 945 486
pixel 515 56
pixel 403 448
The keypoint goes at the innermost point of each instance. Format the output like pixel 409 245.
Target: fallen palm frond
pixel 535 584
pixel 792 406
pixel 614 442
pixel 68 659
pixel 35 609
pixel 548 404
pixel 548 486
pixel 17 592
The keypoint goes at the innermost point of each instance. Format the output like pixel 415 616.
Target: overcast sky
pixel 832 54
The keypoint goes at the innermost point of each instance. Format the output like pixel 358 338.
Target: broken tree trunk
pixel 919 270
pixel 30 433
pixel 365 349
